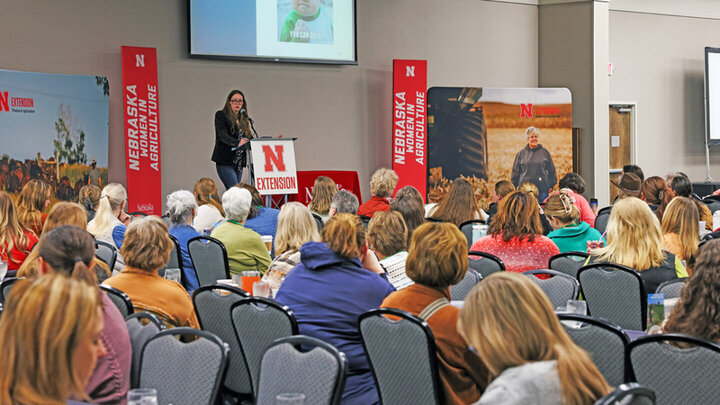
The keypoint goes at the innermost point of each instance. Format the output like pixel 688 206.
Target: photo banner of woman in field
pixel 53 128
pixel 490 134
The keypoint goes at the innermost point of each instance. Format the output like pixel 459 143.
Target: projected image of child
pixel 308 21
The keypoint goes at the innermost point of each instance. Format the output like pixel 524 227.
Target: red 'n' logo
pixel 275 158
pixel 4 106
pixel 526 111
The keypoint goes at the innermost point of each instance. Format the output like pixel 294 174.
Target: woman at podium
pixel 232 134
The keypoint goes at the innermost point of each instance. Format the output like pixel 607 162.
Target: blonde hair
pixel 206 192
pixel 562 206
pixel 682 218
pixel 147 245
pixel 383 182
pixel 529 188
pixel 13 234
pixel 510 322
pixel 633 235
pixel 111 199
pixel 323 191
pixel 43 324
pixel 344 234
pixel 438 255
pixel 31 203
pixel 295 226
pixel 387 232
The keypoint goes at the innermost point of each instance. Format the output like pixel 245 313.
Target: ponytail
pixel 69 250
pixel 562 206
pixel 664 196
pixel 113 195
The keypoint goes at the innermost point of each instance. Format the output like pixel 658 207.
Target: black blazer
pixel 227 138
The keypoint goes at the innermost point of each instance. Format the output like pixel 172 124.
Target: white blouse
pixel 206 218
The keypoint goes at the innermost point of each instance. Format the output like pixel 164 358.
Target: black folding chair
pixel 616 293
pixel 120 299
pixel 486 265
pixel 209 258
pixel 568 262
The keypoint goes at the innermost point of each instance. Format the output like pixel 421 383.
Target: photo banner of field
pixel 53 128
pixel 480 134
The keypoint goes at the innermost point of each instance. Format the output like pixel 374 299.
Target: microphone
pixel 243 112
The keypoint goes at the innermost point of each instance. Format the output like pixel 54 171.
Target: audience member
pixel 501 189
pixel 182 208
pixel 382 184
pixel 70 250
pixel 89 198
pixel 459 204
pixel 63 213
pixel 511 324
pixel 697 313
pixel 51 339
pixel 682 187
pixel 31 204
pixel 532 189
pixel 110 220
pixel 146 249
pixel 628 185
pixel 329 289
pixel 209 211
pixel 411 209
pixel 296 226
pixel 516 234
pixel 656 194
pixel 344 202
pixel 387 237
pixel 263 220
pixel 322 193
pixel 245 248
pixel 16 240
pixel 575 185
pixel 634 239
pixel 410 191
pixel 636 170
pixel 680 228
pixel 562 214
pixel 438 259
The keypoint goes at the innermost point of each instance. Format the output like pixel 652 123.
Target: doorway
pixel 622 141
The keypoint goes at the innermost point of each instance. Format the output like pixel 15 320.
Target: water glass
pixel 261 289
pixel 576 307
pixel 142 396
pixel 173 274
pixel 290 399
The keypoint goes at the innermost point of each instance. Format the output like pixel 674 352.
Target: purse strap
pixel 433 307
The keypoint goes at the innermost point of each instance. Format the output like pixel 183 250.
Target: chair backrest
pixel 467 229
pixel 628 394
pixel 184 373
pixel 402 356
pixel 672 288
pixel 677 375
pixel 559 287
pixel 212 306
pixel 318 372
pixel 106 252
pixel 568 262
pixel 120 299
pixel 606 343
pixel 712 204
pixel 141 327
pixel 616 293
pixel 257 323
pixel 461 289
pixel 433 219
pixel 602 219
pixel 175 262
pixel 318 221
pixel 487 264
pixel 6 286
pixel 365 220
pixel 209 258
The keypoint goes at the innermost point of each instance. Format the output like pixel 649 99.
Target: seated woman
pixel 575 186
pixel 295 227
pixel 697 313
pixel 387 238
pixel 329 289
pixel 438 259
pixel 516 235
pixel 511 324
pixel 459 204
pixel 245 248
pixel 16 241
pixel 263 220
pixel 562 215
pixel 680 228
pixel 682 187
pixel 322 193
pixel 111 220
pixel 382 184
pixel 89 198
pixel 634 239
pixel 70 250
pixel 182 209
pixel 209 211
pixel 533 189
pixel 31 204
pixel 146 248
pixel 411 209
pixel 49 351
pixel 501 189
pixel 656 194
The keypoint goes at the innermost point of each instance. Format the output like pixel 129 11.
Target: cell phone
pixel 593 203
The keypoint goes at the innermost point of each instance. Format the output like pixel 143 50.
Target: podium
pixel 273 167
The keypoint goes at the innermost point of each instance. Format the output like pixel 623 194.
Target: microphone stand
pixel 250 162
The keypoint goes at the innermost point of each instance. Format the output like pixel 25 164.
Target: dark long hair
pixel 518 216
pixel 656 191
pixel 241 123
pixel 459 204
pixel 69 250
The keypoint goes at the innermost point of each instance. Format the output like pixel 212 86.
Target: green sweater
pixel 245 248
pixel 573 238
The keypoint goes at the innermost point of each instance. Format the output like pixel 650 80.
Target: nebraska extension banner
pixel 274 166
pixel 409 133
pixel 142 129
pixel 53 128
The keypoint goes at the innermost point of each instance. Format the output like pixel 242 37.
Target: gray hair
pixel 180 205
pixel 345 202
pixel 531 130
pixel 236 203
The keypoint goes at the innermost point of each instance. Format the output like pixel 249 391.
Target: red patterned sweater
pixel 519 255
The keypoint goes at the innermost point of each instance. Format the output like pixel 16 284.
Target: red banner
pixel 409 149
pixel 142 129
pixel 345 180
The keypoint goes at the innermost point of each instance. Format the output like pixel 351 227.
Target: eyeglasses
pixel 236 101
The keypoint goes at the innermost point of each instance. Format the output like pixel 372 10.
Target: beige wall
pixel 340 114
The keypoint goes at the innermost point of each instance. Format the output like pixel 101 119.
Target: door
pixel 621 143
